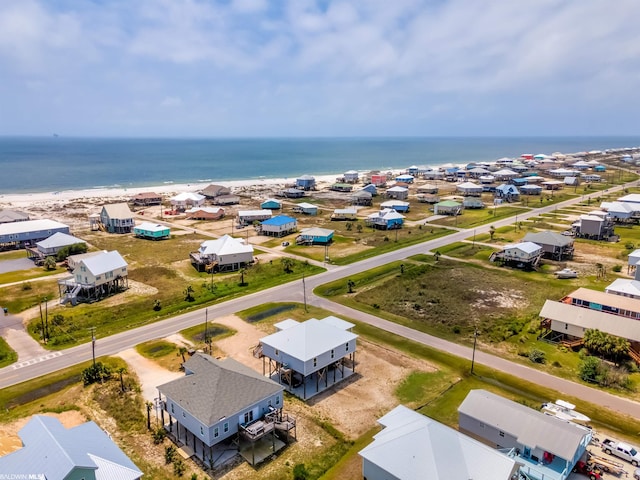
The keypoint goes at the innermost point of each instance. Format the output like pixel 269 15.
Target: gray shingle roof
pixel 548 238
pixel 218 388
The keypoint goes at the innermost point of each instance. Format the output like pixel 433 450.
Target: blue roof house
pixel 54 452
pixel 315 236
pixel 371 188
pixel 405 178
pixel 21 234
pixel 278 226
pixel 306 208
pixel 387 219
pixel 599 168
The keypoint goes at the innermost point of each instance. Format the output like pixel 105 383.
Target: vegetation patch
pixel 156 348
pixel 274 310
pixel 7 354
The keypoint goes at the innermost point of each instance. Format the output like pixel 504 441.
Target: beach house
pixel 225 254
pixel 54 244
pixel 152 231
pixel 10 216
pixel 397 193
pixel 554 245
pixel 386 219
pixel 28 233
pixel 315 236
pixel 85 451
pixel 349 213
pixel 271 204
pixel 413 446
pixel 306 182
pixel 204 213
pixel 362 198
pixel 397 205
pixel 212 191
pixel 595 226
pixel 248 217
pixel 447 207
pixel 469 189
pixel 522 255
pixel 185 200
pixel 351 176
pixel 278 226
pixel 94 277
pixel 309 357
pixel 305 208
pixel 117 218
pixel 146 199
pixel 545 446
pixel 221 408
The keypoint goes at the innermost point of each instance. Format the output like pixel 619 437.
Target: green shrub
pixel 159 435
pixel 98 372
pixel 537 356
pixel 300 472
pixel 178 467
pixel 170 454
pixel 617 268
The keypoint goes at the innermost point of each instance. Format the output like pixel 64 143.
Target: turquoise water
pixel 51 164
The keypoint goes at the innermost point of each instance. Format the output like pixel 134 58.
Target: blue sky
pixel 319 68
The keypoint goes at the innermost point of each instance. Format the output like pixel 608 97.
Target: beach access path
pixel 295 292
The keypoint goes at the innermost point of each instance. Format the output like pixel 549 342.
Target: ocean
pixel 49 164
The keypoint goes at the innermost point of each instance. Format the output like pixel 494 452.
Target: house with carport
pixel 224 254
pixel 545 446
pixel 315 236
pixel 146 199
pixel 278 226
pixel 413 446
pixel 554 245
pixel 221 408
pixel 309 357
pixel 117 218
pixel 469 189
pixel 51 451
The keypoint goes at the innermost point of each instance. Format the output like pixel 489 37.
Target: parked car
pixel 285 244
pixel 622 450
pixel 636 474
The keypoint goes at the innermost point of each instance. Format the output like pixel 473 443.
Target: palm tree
pixel 149 406
pixel 188 294
pixel 492 232
pixel 182 351
pixel 121 371
pixel 287 264
pixel 359 227
pixel 49 263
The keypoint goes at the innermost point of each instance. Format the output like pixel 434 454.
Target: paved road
pixel 294 291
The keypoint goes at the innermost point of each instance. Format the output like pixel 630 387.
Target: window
pixel 346 347
pixel 502 434
pixel 216 432
pixel 277 352
pixel 184 415
pixel 277 400
pixel 248 416
pixel 315 362
pixel 201 430
pixel 172 410
pixel 332 353
pixel 482 425
pixel 225 427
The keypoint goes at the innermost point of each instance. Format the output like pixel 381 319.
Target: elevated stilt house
pixel 310 357
pixel 221 408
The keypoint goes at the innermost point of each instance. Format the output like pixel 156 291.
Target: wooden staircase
pixel 635 356
pixel 572 344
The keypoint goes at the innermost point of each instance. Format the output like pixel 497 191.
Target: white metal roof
pixel 59 239
pixel 151 227
pixel 186 196
pixel 316 231
pixel 413 446
pixel 398 189
pixel 306 205
pixel 288 323
pixel 338 322
pixel 254 213
pixel 469 186
pixel 203 209
pixel 625 287
pixel 104 262
pixel 309 339
pixel 225 245
pixel 528 247
pixel 27 226
pixel 632 198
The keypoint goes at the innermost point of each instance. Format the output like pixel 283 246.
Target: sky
pixel 290 68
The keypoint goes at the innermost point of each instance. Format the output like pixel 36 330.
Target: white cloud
pixel 171 102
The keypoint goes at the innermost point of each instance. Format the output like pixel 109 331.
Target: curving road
pixel 295 291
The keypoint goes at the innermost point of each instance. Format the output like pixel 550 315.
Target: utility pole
pixel 42 322
pixel 304 293
pixel 473 355
pixel 46 318
pixel 93 345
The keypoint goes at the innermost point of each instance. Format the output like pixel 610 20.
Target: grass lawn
pixel 132 309
pixel 27 294
pixel 473 218
pixel 7 354
pixel 29 274
pixel 12 255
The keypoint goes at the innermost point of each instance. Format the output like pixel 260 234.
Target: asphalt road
pixel 295 291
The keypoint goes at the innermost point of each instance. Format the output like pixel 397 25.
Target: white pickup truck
pixel 622 450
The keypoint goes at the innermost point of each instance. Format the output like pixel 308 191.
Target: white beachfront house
pixel 225 254
pixel 117 218
pixel 185 200
pixel 247 217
